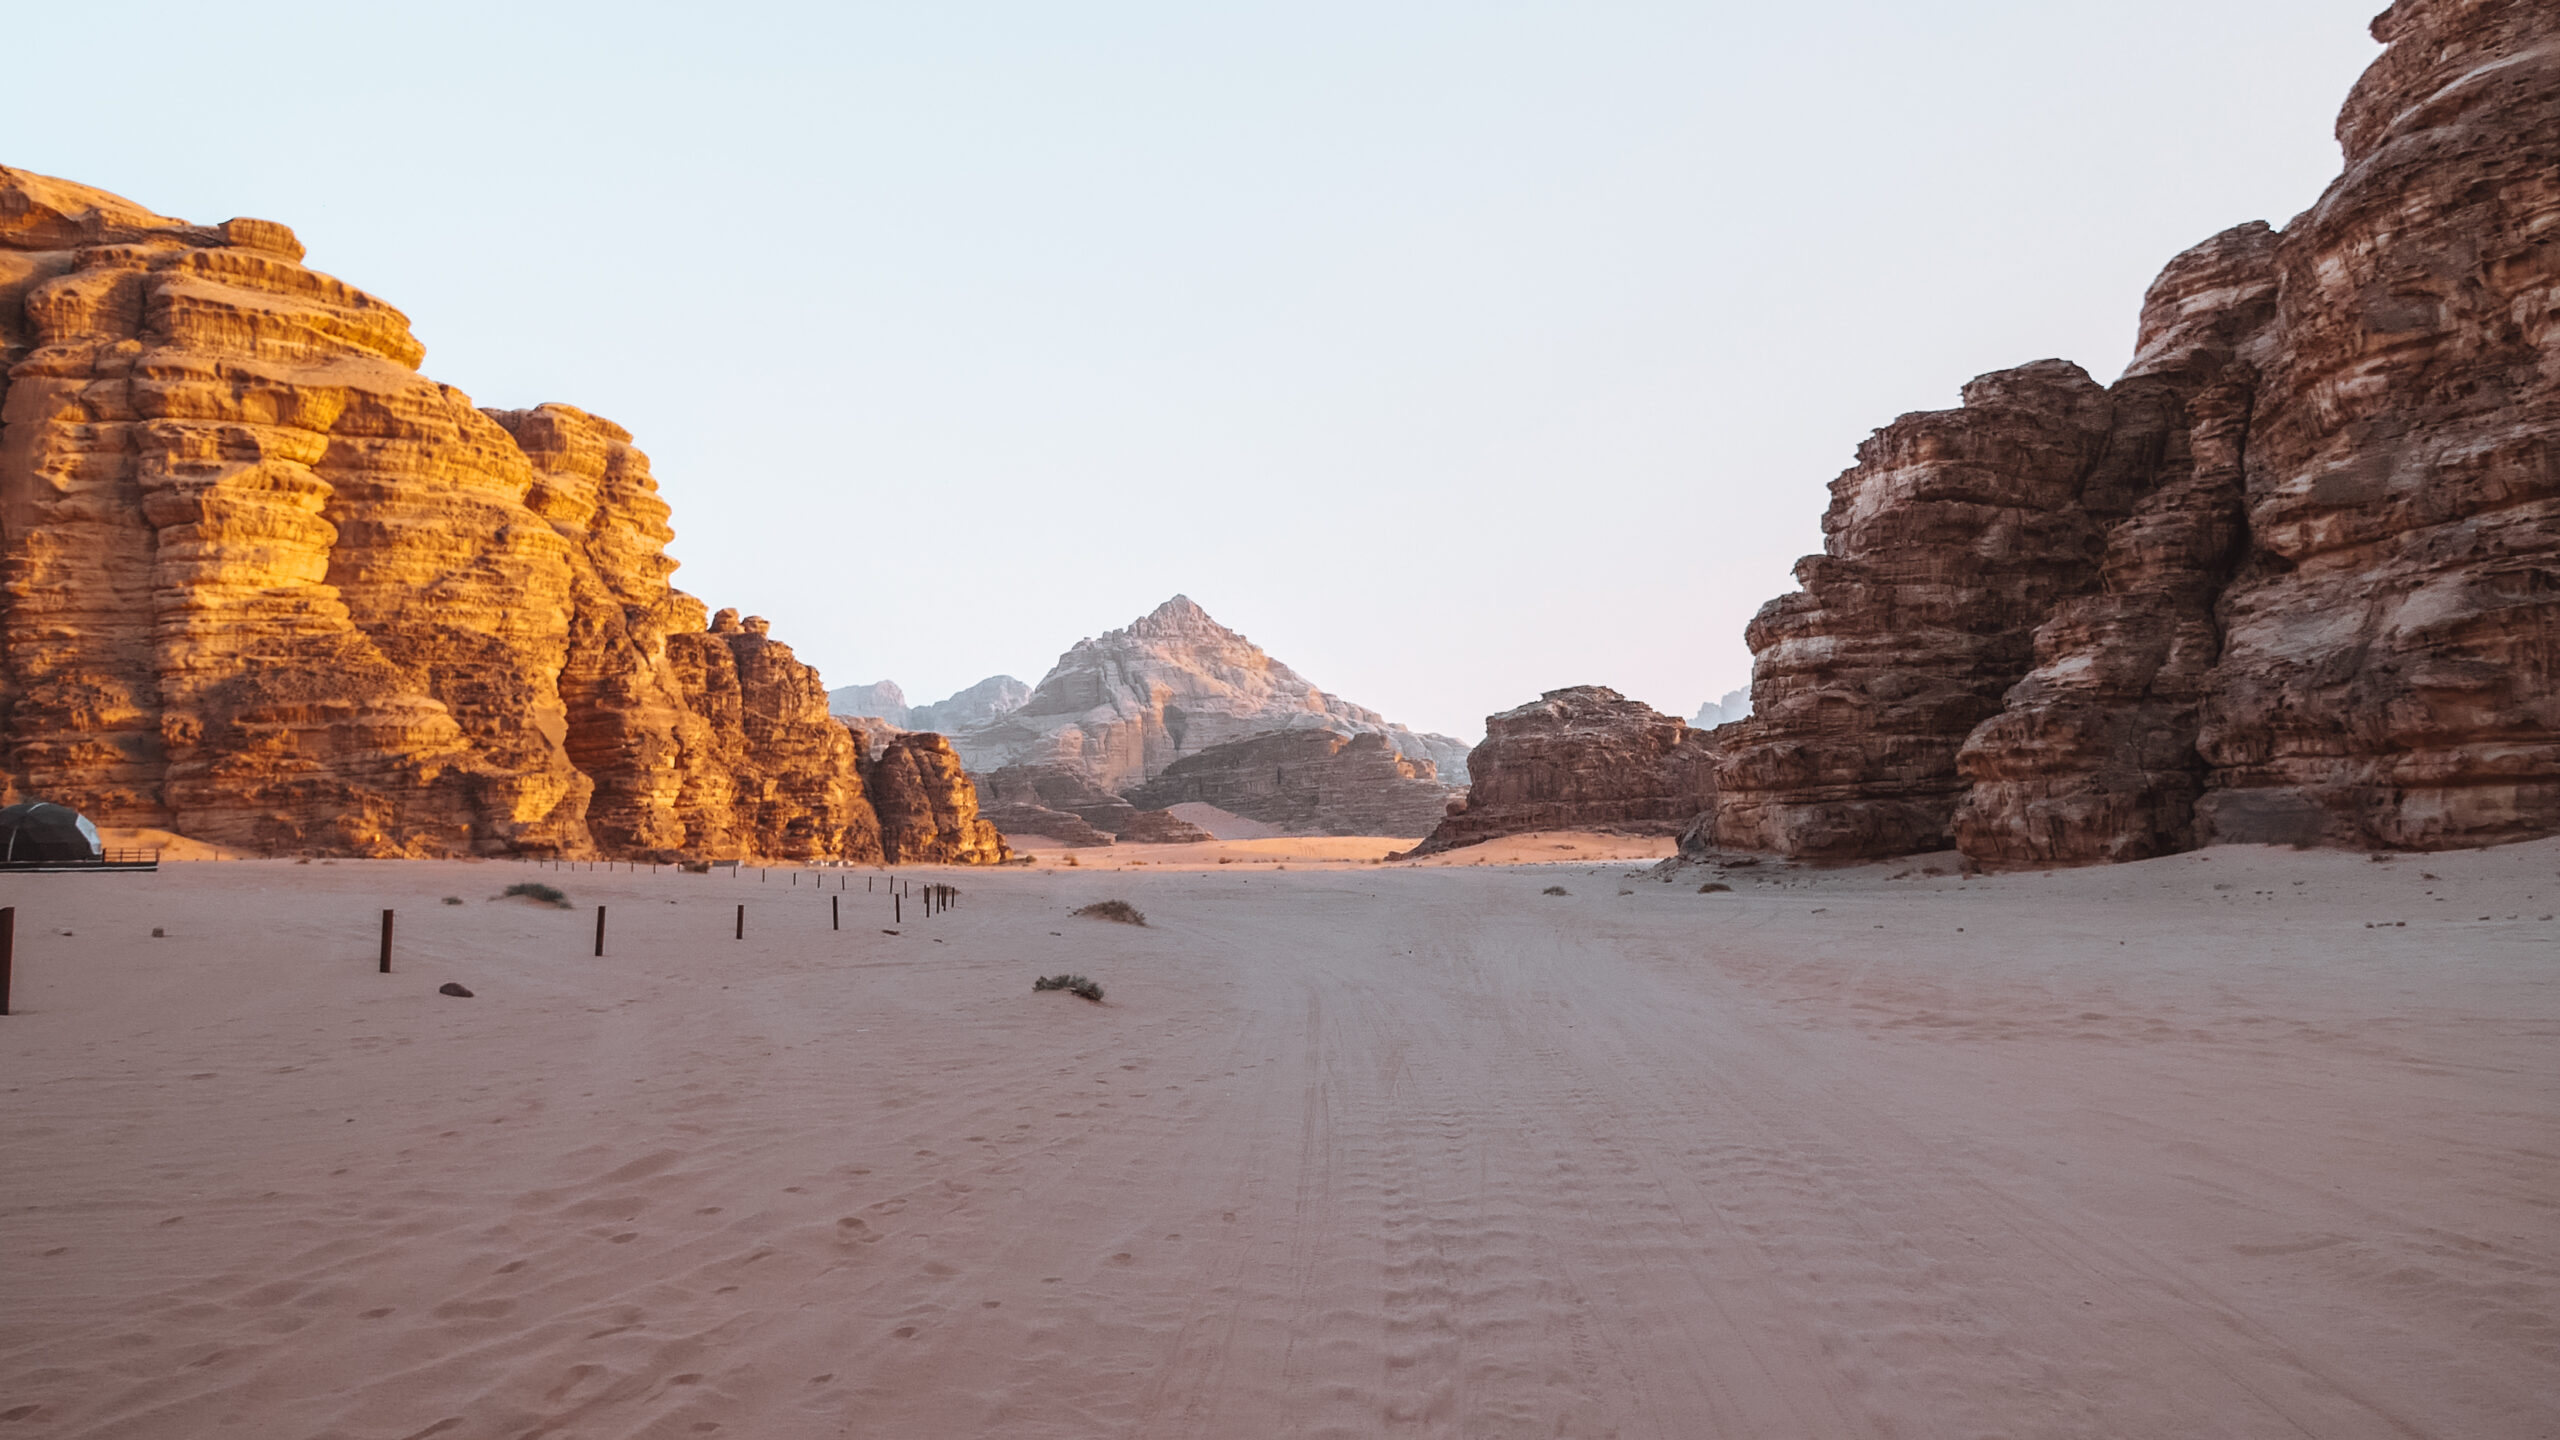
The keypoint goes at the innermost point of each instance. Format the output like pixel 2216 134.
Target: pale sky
pixel 1452 351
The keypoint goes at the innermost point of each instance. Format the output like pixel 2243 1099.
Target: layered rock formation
pixel 1944 547
pixel 1124 706
pixel 1311 782
pixel 2391 649
pixel 264 584
pixel 2094 755
pixel 928 809
pixel 1586 758
pixel 2295 577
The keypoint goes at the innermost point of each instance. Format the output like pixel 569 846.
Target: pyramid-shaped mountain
pixel 1125 705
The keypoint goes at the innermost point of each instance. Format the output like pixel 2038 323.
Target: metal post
pixel 897 908
pixel 835 912
pixel 742 920
pixel 599 930
pixel 386 942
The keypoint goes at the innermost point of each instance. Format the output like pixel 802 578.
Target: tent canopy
pixel 42 830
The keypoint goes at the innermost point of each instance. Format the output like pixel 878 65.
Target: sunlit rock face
pixel 928 810
pixel 1123 706
pixel 1586 758
pixel 263 583
pixel 2294 578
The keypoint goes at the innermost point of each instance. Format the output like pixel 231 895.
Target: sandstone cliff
pixel 1124 706
pixel 928 809
pixel 2295 577
pixel 264 584
pixel 1309 782
pixel 1586 758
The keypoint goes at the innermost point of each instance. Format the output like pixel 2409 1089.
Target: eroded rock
pixel 1585 758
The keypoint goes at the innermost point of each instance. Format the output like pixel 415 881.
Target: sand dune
pixel 2184 1148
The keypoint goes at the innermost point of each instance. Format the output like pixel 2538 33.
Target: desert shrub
pixel 1715 887
pixel 1555 890
pixel 536 890
pixel 1072 984
pixel 453 899
pixel 1119 910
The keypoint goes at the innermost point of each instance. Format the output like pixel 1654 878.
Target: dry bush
pixel 1119 910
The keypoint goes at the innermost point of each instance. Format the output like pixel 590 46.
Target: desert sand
pixel 2241 1143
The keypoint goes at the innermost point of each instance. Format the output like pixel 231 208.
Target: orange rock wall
pixel 263 583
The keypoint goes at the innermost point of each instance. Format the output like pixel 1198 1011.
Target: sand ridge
pixel 2234 1144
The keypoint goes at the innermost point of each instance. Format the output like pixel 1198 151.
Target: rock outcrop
pixel 1944 547
pixel 928 810
pixel 2294 578
pixel 2094 755
pixel 1124 706
pixel 1309 782
pixel 1586 758
pixel 264 584
pixel 2391 650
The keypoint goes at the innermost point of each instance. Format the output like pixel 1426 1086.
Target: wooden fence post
pixel 386 942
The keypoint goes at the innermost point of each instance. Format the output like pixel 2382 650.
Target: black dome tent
pixel 39 831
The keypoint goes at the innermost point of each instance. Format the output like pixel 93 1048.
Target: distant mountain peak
pixel 1123 705
pixel 1180 615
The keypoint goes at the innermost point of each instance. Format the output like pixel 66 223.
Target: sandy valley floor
pixel 2247 1143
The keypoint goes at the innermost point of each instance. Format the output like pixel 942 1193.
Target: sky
pixel 1452 351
